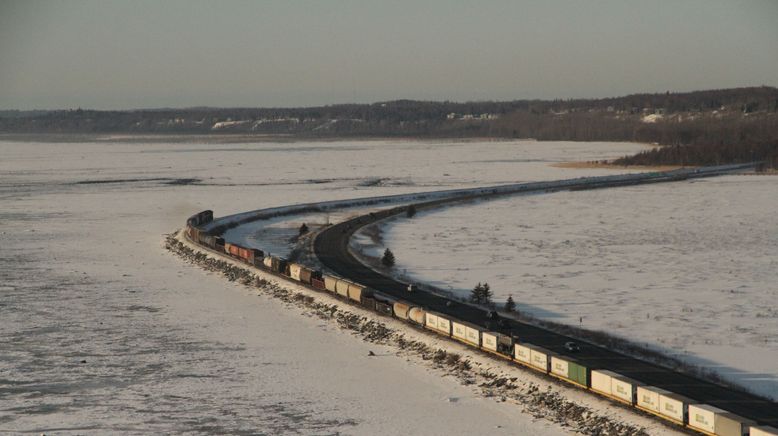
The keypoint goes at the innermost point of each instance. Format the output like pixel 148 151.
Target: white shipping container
pixel 703 417
pixel 673 406
pixel 459 331
pixel 763 430
pixel 648 397
pixel 294 271
pixel 444 325
pixel 559 366
pixel 539 359
pixel 489 341
pixel 522 353
pixel 431 321
pixel 729 424
pixel 473 336
pixel 624 388
pixel 602 380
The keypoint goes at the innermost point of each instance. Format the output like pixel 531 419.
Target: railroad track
pixel 331 247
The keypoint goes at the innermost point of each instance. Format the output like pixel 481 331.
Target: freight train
pixel 667 405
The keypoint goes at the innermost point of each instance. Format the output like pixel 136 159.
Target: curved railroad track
pixel 331 247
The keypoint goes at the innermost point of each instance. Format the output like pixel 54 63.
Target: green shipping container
pixel 577 373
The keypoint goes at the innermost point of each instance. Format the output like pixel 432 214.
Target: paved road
pixel 331 245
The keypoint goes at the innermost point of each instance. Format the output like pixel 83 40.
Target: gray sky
pixel 109 54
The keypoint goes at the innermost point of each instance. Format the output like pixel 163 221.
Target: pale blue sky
pixel 109 54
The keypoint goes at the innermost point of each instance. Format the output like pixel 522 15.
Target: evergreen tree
pixel 411 211
pixel 303 229
pixel 486 293
pixel 476 295
pixel 388 259
pixel 510 305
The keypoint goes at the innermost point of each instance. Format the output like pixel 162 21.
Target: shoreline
pixel 227 138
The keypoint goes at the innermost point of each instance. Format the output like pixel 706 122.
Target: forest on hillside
pixel 695 128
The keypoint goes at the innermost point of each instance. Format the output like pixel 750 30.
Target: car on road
pixel 572 347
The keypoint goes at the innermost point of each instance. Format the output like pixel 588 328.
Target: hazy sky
pixel 108 54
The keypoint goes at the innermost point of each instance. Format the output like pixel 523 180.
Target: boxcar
pixel 318 283
pixel 368 302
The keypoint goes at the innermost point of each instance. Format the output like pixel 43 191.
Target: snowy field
pixel 103 331
pixel 688 268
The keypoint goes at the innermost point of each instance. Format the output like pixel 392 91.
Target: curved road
pixel 331 247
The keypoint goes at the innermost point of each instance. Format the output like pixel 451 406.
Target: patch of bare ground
pixel 467 369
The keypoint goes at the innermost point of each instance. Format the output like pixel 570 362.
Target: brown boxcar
pixel 368 302
pixel 318 283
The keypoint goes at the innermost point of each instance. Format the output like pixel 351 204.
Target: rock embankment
pixel 533 399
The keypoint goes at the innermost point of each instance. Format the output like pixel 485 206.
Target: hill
pixel 702 127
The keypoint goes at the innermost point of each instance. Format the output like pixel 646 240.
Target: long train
pixel 667 405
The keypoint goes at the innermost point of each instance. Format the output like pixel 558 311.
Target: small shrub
pixel 388 259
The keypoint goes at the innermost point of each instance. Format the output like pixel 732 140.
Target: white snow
pixel 652 118
pixel 688 268
pixel 169 348
pixel 225 124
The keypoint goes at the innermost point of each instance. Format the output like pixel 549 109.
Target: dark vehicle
pixel 572 347
pixel 412 288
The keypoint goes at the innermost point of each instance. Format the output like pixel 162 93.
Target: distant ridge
pixel 704 127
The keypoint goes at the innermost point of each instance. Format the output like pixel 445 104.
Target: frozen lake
pixel 103 331
pixel 688 268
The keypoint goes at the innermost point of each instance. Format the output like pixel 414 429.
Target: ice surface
pixel 103 331
pixel 688 268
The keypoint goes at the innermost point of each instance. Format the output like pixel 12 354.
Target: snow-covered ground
pixel 689 268
pixel 103 331
pixel 362 169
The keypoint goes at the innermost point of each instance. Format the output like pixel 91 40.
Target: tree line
pixel 716 126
